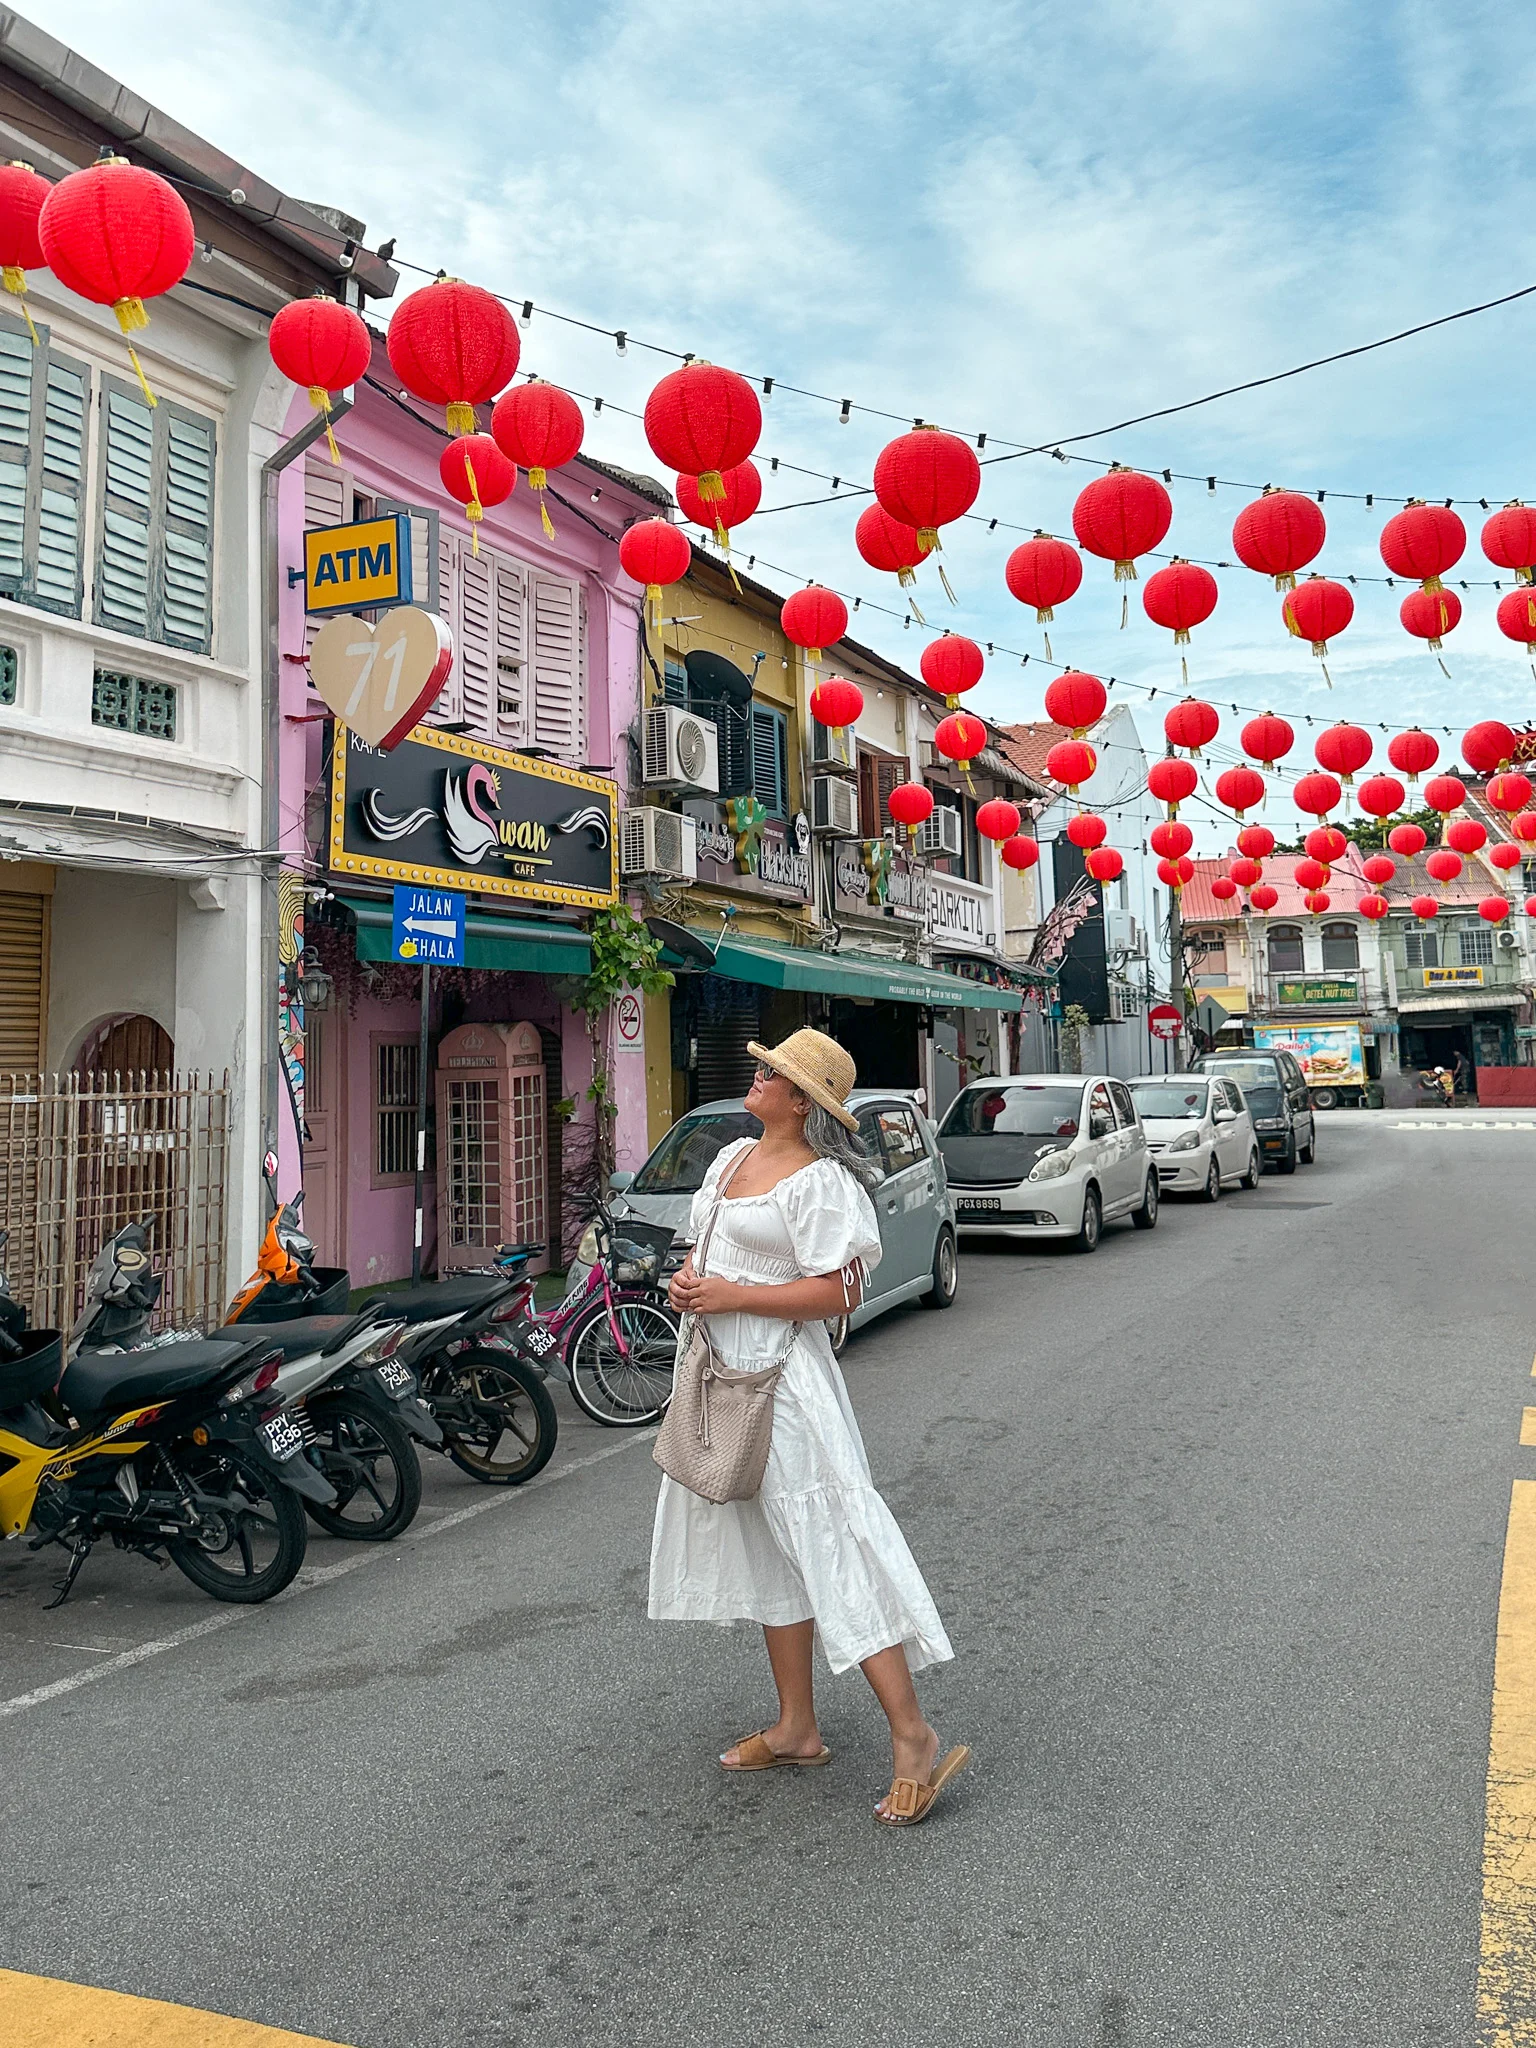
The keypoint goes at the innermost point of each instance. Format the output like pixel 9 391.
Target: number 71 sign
pixel 381 680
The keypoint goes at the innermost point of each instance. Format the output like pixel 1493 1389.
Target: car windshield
pixel 1258 1080
pixel 1172 1098
pixel 998 1132
pixel 686 1153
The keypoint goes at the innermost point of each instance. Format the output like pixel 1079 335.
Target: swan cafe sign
pixel 459 814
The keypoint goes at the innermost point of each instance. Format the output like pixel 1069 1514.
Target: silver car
pixel 912 1202
pixel 1199 1132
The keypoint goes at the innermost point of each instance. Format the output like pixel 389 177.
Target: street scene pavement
pixel 1215 1519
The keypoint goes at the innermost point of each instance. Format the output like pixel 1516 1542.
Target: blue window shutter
pixel 770 781
pixel 186 538
pixel 124 573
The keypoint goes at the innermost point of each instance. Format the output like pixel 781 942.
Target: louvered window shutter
pixel 449 708
pixel 674 688
pixel 154 572
pixel 327 502
pixel 511 651
pixel 56 513
pixel 769 777
pixel 23 981
pixel 888 774
pixel 476 656
pixel 426 575
pixel 16 367
pixel 187 561
pixel 555 708
pixel 123 573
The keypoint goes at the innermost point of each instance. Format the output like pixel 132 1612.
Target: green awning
pixel 516 945
pixel 772 965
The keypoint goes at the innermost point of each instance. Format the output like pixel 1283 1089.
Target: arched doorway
pixel 127 1045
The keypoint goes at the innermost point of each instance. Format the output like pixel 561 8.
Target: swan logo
pixel 475 827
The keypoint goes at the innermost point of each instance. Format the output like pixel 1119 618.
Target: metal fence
pixel 81 1155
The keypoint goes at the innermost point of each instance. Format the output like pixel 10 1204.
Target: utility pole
pixel 1176 973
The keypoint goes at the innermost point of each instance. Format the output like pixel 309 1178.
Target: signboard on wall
pixel 782 864
pixel 363 566
pixel 1323 991
pixel 1329 1055
pixel 468 816
pixel 959 915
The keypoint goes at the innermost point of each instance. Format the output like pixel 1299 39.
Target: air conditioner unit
pixel 834 807
pixel 834 747
pixel 1507 940
pixel 680 750
pixel 657 842
pixel 939 832
pixel 1121 931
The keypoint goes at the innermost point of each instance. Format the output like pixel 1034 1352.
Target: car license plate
pixel 539 1341
pixel 395 1377
pixel 282 1436
pixel 966 1203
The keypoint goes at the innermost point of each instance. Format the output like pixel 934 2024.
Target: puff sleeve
pixel 831 1221
pixel 704 1200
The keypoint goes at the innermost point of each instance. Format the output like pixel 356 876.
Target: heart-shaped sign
pixel 380 680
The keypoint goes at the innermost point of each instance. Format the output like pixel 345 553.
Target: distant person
pixel 1461 1081
pixel 1447 1082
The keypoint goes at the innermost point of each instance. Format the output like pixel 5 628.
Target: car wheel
pixel 1087 1239
pixel 1308 1151
pixel 837 1332
pixel 1145 1218
pixel 1286 1163
pixel 1213 1183
pixel 946 1273
pixel 1251 1177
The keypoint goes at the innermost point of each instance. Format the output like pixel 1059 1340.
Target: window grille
pixel 397 1089
pixel 8 666
pixel 1421 949
pixel 1476 947
pixel 133 704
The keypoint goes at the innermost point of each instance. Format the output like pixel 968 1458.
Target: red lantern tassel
pixel 14 278
pixel 460 416
pixel 711 486
pixel 538 480
pixel 474 511
pixel 320 399
pixel 1125 572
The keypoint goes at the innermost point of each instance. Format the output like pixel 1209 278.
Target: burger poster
pixel 1329 1055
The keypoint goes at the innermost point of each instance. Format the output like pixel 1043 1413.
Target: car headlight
pixel 1190 1142
pixel 1269 1123
pixel 586 1250
pixel 1052 1166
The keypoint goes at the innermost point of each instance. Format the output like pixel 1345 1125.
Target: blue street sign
pixel 429 926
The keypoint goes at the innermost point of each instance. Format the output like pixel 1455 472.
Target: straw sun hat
pixel 817 1065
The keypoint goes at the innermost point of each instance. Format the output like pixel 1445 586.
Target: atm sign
pixel 366 565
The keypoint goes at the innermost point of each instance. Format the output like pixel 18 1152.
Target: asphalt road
pixel 1215 1519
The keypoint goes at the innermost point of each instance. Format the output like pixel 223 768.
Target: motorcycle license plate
pixel 539 1341
pixel 282 1437
pixel 395 1377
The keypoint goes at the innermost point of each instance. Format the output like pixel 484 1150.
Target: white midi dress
pixel 817 1541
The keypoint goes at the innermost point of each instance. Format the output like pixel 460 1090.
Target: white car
pixel 1199 1132
pixel 1048 1155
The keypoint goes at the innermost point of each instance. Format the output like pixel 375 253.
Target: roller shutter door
pixel 724 1064
pixel 23 961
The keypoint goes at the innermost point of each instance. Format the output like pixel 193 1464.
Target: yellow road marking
pixel 1528 1426
pixel 1506 1976
pixel 41 2012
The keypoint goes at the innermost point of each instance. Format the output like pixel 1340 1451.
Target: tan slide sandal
pixel 753 1754
pixel 911 1802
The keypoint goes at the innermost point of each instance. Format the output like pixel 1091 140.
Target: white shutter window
pixel 511 652
pixel 449 708
pixel 555 707
pixel 187 571
pixel 327 494
pixel 124 583
pixel 58 578
pixel 476 659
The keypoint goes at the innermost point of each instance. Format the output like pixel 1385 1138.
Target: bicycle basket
pixel 635 1265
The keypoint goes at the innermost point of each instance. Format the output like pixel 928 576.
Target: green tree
pixel 1370 834
pixel 626 959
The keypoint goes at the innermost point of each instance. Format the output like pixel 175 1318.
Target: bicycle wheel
pixel 628 1382
pixel 498 1421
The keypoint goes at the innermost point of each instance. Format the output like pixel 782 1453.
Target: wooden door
pixel 325 1148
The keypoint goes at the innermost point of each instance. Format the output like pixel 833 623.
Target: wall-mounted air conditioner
pixel 834 747
pixel 1122 933
pixel 1507 940
pixel 834 807
pixel 680 750
pixel 657 842
pixel 939 832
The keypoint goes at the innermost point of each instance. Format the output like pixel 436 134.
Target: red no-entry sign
pixel 1165 1020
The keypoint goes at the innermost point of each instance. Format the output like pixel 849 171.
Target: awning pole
pixel 421 1118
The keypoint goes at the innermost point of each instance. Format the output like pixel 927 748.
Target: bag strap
pixel 701 1249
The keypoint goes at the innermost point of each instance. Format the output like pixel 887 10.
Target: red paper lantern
pixel 1326 843
pixel 1105 864
pixel 1279 534
pixel 702 420
pixel 1379 868
pixel 961 738
pixel 1044 572
pixel 1408 840
pixel 1466 835
pixel 1422 542
pixel 1240 788
pixel 455 345
pixel 1180 597
pixel 1443 866
pixel 1173 874
pixel 1319 794
pixel 1509 540
pixel 926 479
pixel 1171 781
pixel 1493 909
pixel 1076 701
pixel 1445 793
pixel 1342 749
pixel 654 552
pixel 22 193
pixel 1430 614
pixel 1425 906
pixel 1317 901
pixel 1257 841
pixel 320 344
pixel 1311 874
pixel 815 618
pixel 1380 795
pixel 539 427
pixel 1505 855
pixel 1245 873
pixel 1524 827
pixel 741 492
pixel 1517 616
pixel 1122 515
pixel 1170 838
pixel 1191 724
pixel 888 544
pixel 1317 611
pixel 1508 792
pixel 1413 753
pixel 1373 907
pixel 909 803
pixel 1071 762
pixel 838 703
pixel 1487 746
pixel 1267 739
pixel 998 819
pixel 1020 854
pixel 117 234
pixel 1223 888
pixel 475 471
pixel 1086 830
pixel 1264 897
pixel 952 665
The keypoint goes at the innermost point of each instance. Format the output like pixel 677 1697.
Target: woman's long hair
pixel 829 1139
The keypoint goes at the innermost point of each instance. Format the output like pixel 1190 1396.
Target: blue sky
pixel 1023 219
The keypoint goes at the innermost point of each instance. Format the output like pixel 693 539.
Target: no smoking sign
pixel 629 1026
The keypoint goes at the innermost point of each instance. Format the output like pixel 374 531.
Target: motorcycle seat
pixel 98 1383
pixel 460 1296
pixel 300 1335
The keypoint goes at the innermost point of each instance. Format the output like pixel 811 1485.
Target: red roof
pixel 1026 746
pixel 1346 885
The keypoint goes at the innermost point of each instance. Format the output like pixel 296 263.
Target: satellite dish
pixel 711 677
pixel 680 942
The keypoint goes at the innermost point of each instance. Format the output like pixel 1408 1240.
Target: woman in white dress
pixel 816 1555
